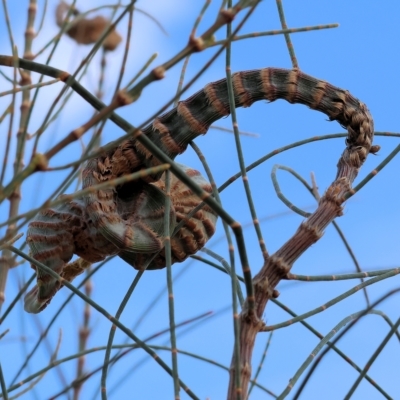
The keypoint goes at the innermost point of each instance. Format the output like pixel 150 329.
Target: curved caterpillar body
pixel 57 233
pixel 114 218
pixel 174 130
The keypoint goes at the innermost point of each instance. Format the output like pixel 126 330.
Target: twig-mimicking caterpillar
pixel 111 222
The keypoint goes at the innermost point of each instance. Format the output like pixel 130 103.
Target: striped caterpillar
pixel 128 220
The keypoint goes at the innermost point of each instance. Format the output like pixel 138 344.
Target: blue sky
pixel 361 56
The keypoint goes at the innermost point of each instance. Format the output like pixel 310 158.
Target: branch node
pixel 159 72
pixel 41 162
pixel 196 43
pixel 226 16
pixel 25 78
pixel 123 98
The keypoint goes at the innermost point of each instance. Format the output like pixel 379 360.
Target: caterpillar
pixel 128 220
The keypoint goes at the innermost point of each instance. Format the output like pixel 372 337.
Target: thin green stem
pixel 279 193
pixel 168 263
pixel 242 133
pixel 17 297
pixel 334 301
pixel 371 360
pixel 319 278
pixel 126 51
pixel 111 335
pixel 4 333
pixel 141 71
pixel 11 123
pixel 224 224
pixel 42 19
pixel 3 386
pixel 29 87
pixel 374 172
pixel 260 365
pixel 289 43
pixel 275 32
pixel 83 336
pixel 278 151
pixel 231 96
pixel 8 24
pixel 226 268
pixel 236 364
pixel 186 62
